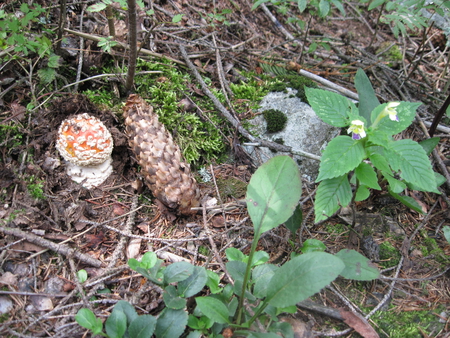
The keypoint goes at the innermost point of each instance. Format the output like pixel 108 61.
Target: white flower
pixel 357 130
pixel 392 111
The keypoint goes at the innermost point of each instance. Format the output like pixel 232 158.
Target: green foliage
pixel 372 126
pixel 293 81
pixel 446 230
pixel 389 255
pixel 35 187
pixel 199 140
pixel 261 291
pixel 276 120
pixel 321 7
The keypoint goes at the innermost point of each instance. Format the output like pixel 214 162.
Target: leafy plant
pixel 321 7
pixel 371 153
pixel 260 291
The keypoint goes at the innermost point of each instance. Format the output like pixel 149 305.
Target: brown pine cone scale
pixel 165 173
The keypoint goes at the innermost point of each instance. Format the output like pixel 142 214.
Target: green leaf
pixel 116 324
pixel 412 161
pixel 236 269
pixel 330 194
pixel 142 327
pixel 376 3
pixel 260 257
pixel 171 323
pixel 126 308
pixel 87 319
pixel 313 245
pixel 171 298
pixel 341 155
pixel 263 335
pixel 408 201
pixel 194 283
pixel 295 221
pixel 234 254
pixel 214 309
pixel 367 176
pixel 302 4
pixel 367 98
pixel 46 75
pixel 177 272
pixel 395 185
pixel 406 113
pixel 379 161
pixel 149 260
pixel 330 107
pixel 273 193
pixel 324 8
pixel 177 18
pixel 82 276
pixel 257 3
pixel 446 230
pixel 99 6
pixel 261 276
pixel 362 193
pixel 53 61
pixel 302 277
pixel 213 282
pixel 429 144
pixel 357 266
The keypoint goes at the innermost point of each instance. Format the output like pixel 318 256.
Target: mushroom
pixel 85 142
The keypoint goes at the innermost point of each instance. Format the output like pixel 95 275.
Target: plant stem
pixel 133 45
pixel 246 277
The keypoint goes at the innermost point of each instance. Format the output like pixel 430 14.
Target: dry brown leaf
pixel 359 324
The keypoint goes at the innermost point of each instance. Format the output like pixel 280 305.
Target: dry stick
pixel 235 123
pixel 59 248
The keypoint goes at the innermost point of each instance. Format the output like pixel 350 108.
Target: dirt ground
pixel 119 220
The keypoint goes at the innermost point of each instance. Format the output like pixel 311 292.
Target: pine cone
pixel 167 176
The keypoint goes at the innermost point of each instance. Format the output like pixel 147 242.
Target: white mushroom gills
pixel 85 142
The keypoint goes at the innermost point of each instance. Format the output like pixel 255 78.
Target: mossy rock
pixel 296 82
pixel 276 120
pixel 231 187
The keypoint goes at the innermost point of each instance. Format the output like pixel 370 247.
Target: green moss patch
pixel 296 82
pixel 276 120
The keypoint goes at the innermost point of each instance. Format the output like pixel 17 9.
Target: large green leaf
pixel 126 308
pixel 295 221
pixel 408 201
pixel 367 98
pixel 171 323
pixel 357 266
pixel 330 107
pixel 214 309
pixel 340 156
pixel 406 113
pixel 302 277
pixel 116 324
pixel 142 327
pixel 194 283
pixel 330 194
pixel 261 275
pixel 367 176
pixel 429 144
pixel 177 272
pixel 273 193
pixel 410 159
pixel 86 318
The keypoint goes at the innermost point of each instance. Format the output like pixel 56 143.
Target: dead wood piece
pixel 59 248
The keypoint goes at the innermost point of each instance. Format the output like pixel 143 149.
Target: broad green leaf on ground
pixel 357 266
pixel 171 323
pixel 194 283
pixel 172 299
pixel 116 324
pixel 177 272
pixel 408 201
pixel 446 230
pixel 341 155
pixel 379 161
pixel 367 98
pixel 330 107
pixel 331 194
pixel 362 193
pixel 273 193
pixel 126 308
pixel 410 159
pixel 406 113
pixel 214 309
pixel 142 327
pixel 312 244
pixel 395 185
pixel 429 144
pixel 302 277
pixel 367 176
pixel 86 318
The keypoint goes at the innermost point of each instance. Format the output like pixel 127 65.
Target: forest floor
pixel 41 206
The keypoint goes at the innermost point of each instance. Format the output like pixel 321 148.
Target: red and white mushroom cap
pixel 86 143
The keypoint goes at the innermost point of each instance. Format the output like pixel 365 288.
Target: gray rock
pixel 304 131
